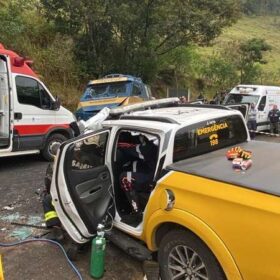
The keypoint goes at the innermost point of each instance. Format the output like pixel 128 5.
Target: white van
pixel 263 96
pixel 31 119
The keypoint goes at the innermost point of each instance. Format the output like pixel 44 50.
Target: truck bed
pixel 263 175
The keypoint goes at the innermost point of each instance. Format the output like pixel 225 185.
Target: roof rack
pixel 149 118
pixel 151 104
pixel 160 103
pixel 209 106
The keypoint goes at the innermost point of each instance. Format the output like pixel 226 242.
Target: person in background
pixel 183 100
pixel 252 120
pixel 216 99
pixel 274 116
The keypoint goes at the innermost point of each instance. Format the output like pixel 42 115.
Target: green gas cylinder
pixel 98 246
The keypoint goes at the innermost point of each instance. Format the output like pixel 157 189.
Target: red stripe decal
pixel 31 129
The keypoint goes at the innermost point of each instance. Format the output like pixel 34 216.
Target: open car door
pixel 243 108
pixel 82 186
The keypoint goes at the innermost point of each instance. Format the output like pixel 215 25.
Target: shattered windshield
pixel 241 99
pixel 99 91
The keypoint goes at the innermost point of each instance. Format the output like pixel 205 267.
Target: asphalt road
pixel 21 179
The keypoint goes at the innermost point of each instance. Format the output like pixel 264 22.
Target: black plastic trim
pixel 263 123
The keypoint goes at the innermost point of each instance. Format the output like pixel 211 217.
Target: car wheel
pixel 53 140
pixel 182 255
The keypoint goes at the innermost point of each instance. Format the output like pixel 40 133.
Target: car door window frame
pixel 117 133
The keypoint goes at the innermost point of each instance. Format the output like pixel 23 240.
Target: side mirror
pixel 55 104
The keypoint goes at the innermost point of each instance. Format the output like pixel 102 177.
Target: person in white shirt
pixel 252 120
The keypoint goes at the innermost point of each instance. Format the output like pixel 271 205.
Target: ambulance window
pixel 262 103
pixel 45 98
pixel 28 91
pixel 208 136
pixel 31 92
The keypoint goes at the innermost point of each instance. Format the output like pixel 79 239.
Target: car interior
pixel 89 182
pixel 119 159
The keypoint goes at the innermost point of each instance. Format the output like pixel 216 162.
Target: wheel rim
pixel 184 263
pixel 53 146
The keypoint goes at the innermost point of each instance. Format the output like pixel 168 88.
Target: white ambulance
pixel 263 96
pixel 31 119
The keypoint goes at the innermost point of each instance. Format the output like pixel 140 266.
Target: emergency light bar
pixel 246 89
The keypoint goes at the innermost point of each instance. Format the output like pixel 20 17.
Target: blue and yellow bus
pixel 111 91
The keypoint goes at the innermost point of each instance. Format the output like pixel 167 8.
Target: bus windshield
pixel 238 98
pixel 108 90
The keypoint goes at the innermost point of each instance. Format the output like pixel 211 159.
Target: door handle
pixel 104 176
pixel 18 116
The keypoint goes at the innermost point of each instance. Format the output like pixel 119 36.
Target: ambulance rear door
pixel 5 105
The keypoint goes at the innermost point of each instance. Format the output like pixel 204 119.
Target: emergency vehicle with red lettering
pixel 31 119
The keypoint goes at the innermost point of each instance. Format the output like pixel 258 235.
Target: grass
pixel 264 27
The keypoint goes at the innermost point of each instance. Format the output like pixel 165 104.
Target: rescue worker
pixel 252 120
pixel 183 100
pixel 51 219
pixel 138 171
pixel 274 116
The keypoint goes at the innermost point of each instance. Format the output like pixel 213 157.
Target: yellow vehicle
pixel 111 91
pixel 202 220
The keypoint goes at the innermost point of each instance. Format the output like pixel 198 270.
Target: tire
pixel 51 140
pixel 179 245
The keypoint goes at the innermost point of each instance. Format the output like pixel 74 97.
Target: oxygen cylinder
pixel 98 246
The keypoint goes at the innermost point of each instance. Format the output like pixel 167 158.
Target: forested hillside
pixel 261 7
pixel 164 42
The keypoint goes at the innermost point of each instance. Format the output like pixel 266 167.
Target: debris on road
pixel 9 208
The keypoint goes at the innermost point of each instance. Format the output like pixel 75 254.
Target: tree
pixel 25 30
pixel 220 72
pixel 131 36
pixel 251 56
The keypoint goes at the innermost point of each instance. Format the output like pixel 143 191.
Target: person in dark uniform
pixel 51 219
pixel 138 172
pixel 274 116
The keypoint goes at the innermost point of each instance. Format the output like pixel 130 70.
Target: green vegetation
pixel 261 7
pixel 164 42
pixel 263 27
